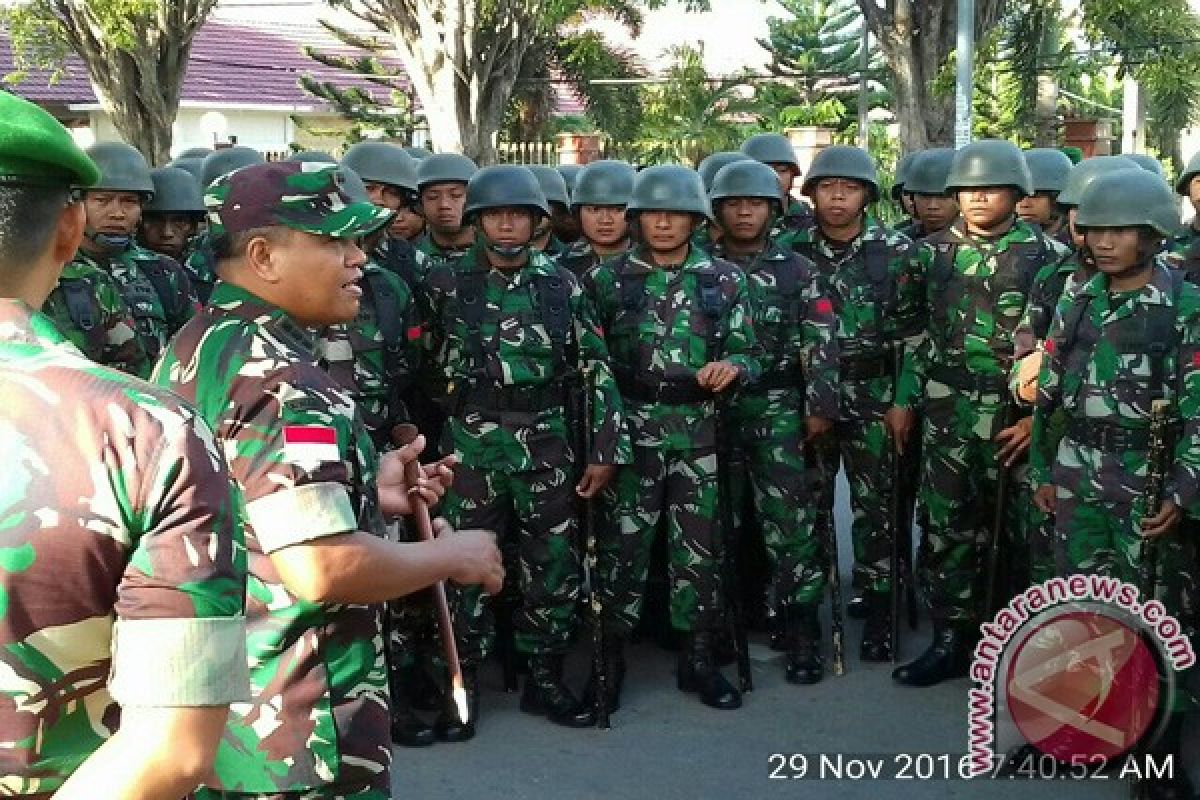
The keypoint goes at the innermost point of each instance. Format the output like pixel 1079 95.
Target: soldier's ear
pixel 69 233
pixel 264 258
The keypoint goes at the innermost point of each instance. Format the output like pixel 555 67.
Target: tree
pixel 917 38
pixel 136 53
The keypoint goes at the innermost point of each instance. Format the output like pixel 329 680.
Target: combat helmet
pixel 900 184
pixel 712 164
pixel 380 162
pixel 176 191
pixel 669 187
pixel 603 183
pixel 989 162
pixel 1128 198
pixel 444 168
pixel 843 161
pixel 1086 171
pixel 928 170
pixel 504 185
pixel 554 186
pixel 122 169
pixel 771 148
pixel 226 160
pixel 1049 168
pixel 746 179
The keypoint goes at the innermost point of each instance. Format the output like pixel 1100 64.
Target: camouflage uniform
pixel 121 549
pixel 793 225
pixel 88 309
pixel 660 332
pixel 506 377
pixel 877 287
pixel 579 257
pixel 1184 250
pixel 435 252
pixel 404 259
pixel 201 266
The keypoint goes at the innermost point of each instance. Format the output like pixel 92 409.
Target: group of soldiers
pixel 601 356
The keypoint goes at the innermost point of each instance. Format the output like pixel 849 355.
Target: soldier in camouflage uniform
pixel 708 168
pixel 900 193
pixel 560 230
pixel 794 400
pixel 122 571
pixel 1185 245
pixel 876 285
pixel 172 217
pixel 442 192
pixel 570 173
pixel 774 150
pixel 200 261
pixel 1125 338
pixel 979 273
pixel 1049 168
pixel 933 207
pixel 509 332
pixel 680 332
pixel 601 193
pixel 314 493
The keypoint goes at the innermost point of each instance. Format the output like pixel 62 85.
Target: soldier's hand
pixel 716 376
pixel 594 479
pixel 816 427
pixel 1014 441
pixel 1163 522
pixel 899 422
pixel 1046 498
pixel 394 491
pixel 475 555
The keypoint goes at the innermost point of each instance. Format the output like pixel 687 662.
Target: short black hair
pixel 29 217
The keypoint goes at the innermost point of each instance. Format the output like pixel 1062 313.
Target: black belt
pixel 864 368
pixel 670 393
pixel 967 381
pixel 512 398
pixel 1106 436
pixel 776 380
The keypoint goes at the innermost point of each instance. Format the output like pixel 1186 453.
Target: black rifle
pixel 994 549
pixel 817 451
pixel 728 542
pixel 1156 460
pixel 900 522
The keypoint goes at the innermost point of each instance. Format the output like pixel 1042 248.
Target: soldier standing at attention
pixel 602 191
pixel 774 150
pixel 1049 168
pixel 933 207
pixel 171 219
pixel 314 493
pixel 794 400
pixel 560 230
pixel 201 262
pixel 124 572
pixel 1185 245
pixel 442 190
pixel 876 285
pixel 901 196
pixel 680 333
pixel 1127 337
pixel 978 273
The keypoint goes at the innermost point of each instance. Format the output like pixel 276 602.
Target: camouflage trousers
pixel 379 788
pixel 410 622
pixel 536 514
pixel 680 488
pixel 774 486
pixel 958 493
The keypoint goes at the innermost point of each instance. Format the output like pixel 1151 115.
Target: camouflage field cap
pixel 303 196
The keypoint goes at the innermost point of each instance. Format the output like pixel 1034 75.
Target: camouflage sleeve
pixel 922 352
pixel 610 440
pixel 186 303
pixel 740 346
pixel 123 348
pixel 599 285
pixel 911 327
pixel 820 353
pixel 1183 486
pixel 1043 447
pixel 179 637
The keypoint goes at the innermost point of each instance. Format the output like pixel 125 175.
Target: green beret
pixel 36 150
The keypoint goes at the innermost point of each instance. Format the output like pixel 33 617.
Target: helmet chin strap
pixel 109 241
pixel 509 251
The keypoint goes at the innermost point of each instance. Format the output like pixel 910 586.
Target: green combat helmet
pixel 903 170
pixel 1049 168
pixel 990 162
pixel 380 162
pixel 570 174
pixel 1086 171
pixel 771 148
pixel 190 164
pixel 418 153
pixel 928 171
pixel 843 161
pixel 122 168
pixel 669 187
pixel 226 160
pixel 554 186
pixel 711 165
pixel 1148 163
pixel 603 183
pixel 1129 198
pixel 444 168
pixel 503 186
pixel 313 156
pixel 196 152
pixel 746 179
pixel 176 191
pixel 1185 180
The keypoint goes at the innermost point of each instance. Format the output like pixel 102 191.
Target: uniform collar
pixel 1019 232
pixel 696 259
pixel 771 252
pixel 238 302
pixel 1157 291
pixel 538 264
pixel 20 323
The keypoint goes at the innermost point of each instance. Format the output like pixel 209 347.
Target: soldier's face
pixel 1115 250
pixel 408 224
pixel 385 195
pixel 168 233
pixel 319 278
pixel 935 211
pixel 744 219
pixel 442 204
pixel 114 213
pixel 839 201
pixel 1076 234
pixel 1194 193
pixel 908 202
pixel 510 226
pixel 603 225
pixel 1038 209
pixel 787 175
pixel 666 231
pixel 987 207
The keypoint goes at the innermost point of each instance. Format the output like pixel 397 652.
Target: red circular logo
pixel 1083 684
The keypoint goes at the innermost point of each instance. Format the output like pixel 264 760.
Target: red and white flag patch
pixel 310 444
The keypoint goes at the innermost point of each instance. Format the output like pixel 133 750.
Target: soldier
pixel 509 331
pixel 172 217
pixel 794 400
pixel 776 151
pixel 570 173
pixel 1127 337
pixel 390 176
pixel 680 333
pixel 900 193
pixel 925 186
pixel 123 574
pixel 442 190
pixel 201 262
pixel 191 165
pixel 1048 167
pixel 708 168
pixel 560 229
pixel 601 193
pixel 978 272
pixel 1185 245
pixel 314 494
pixel 876 285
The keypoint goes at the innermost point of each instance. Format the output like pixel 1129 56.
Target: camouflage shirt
pixel 877 286
pixel 1110 382
pixel 1184 252
pixel 305 466
pixel 580 257
pixel 200 263
pixel 659 335
pixel 122 568
pixel 797 219
pixel 1049 286
pixel 87 307
pixel 402 258
pixel 797 333
pixel 513 351
pixel 435 252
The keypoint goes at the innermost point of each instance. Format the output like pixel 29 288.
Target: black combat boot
pixel 614 654
pixel 423 691
pixel 858 607
pixel 877 641
pixel 408 730
pixel 448 727
pixel 1177 785
pixel 804 662
pixel 698 673
pixel 948 656
pixel 545 694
